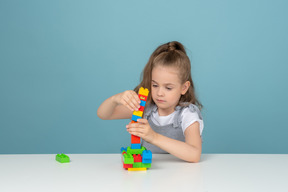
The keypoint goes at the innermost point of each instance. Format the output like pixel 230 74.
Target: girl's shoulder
pixel 189 108
pixel 190 113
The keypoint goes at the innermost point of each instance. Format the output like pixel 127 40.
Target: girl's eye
pixel 169 88
pixel 154 86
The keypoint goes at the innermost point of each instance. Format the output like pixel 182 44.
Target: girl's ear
pixel 185 87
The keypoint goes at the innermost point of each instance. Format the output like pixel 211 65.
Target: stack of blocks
pixel 136 157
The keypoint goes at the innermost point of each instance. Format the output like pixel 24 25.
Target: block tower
pixel 136 157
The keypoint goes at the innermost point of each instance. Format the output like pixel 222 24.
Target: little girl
pixel 172 120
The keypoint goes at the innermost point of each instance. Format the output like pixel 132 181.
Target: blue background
pixel 59 60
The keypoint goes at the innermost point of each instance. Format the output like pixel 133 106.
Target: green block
pixel 135 151
pixel 128 158
pixel 137 165
pixel 146 165
pixel 141 165
pixel 62 158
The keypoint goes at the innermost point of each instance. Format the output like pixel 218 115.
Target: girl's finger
pixel 133 125
pixel 128 104
pixel 132 102
pixel 143 121
pixel 135 132
pixel 136 97
pixel 135 100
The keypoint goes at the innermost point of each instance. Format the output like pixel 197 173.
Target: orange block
pixel 135 139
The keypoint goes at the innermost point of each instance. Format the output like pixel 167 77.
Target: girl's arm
pixel 189 151
pixel 119 106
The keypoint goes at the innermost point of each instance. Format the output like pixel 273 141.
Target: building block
pixel 135 146
pixel 123 149
pixel 143 91
pixel 137 165
pixel 137 158
pixel 62 158
pixel 141 108
pixel 147 156
pixel 136 151
pixel 126 166
pixel 135 139
pixel 138 113
pixel 142 97
pixel 127 158
pixel 143 103
pixel 134 117
pixel 147 165
pixel 137 169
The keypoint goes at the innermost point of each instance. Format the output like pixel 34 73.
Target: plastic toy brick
pixel 135 146
pixel 143 91
pixel 137 169
pixel 141 165
pixel 146 165
pixel 142 97
pixel 126 166
pixel 128 158
pixel 136 151
pixel 123 149
pixel 134 117
pixel 137 158
pixel 141 108
pixel 135 139
pixel 62 158
pixel 143 103
pixel 137 165
pixel 147 156
pixel 138 113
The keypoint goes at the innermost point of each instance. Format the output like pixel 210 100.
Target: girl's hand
pixel 142 129
pixel 129 99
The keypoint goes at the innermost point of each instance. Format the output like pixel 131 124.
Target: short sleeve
pixel 190 116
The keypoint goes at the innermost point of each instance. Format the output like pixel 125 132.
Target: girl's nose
pixel 160 92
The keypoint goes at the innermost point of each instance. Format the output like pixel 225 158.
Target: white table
pixel 104 172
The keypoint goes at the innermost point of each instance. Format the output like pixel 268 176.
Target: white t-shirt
pixel 188 117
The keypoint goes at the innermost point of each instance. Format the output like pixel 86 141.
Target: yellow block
pixel 137 169
pixel 138 113
pixel 143 91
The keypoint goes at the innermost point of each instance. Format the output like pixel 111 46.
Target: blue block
pixel 123 149
pixel 147 156
pixel 135 117
pixel 136 146
pixel 143 103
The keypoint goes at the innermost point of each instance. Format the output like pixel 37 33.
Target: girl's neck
pixel 165 112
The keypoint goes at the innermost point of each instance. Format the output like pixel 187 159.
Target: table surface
pixel 104 172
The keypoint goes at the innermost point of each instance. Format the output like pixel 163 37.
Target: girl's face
pixel 166 88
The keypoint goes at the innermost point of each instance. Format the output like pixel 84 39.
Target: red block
pixel 137 158
pixel 126 166
pixel 135 139
pixel 141 108
pixel 142 97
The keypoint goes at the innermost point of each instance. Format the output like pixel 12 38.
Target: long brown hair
pixel 170 54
